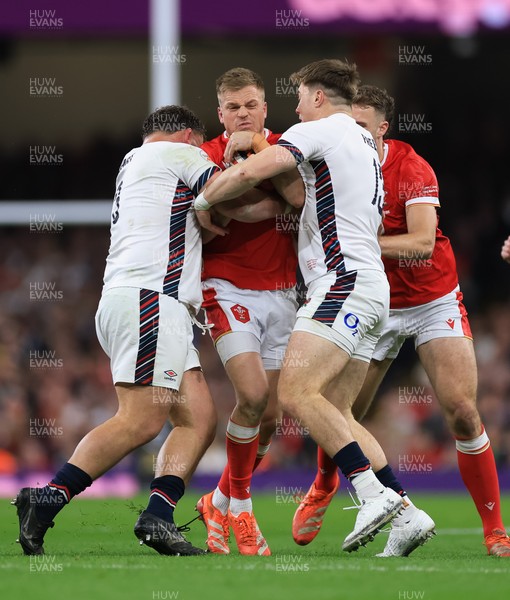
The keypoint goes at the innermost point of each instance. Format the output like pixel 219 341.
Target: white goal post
pixel 36 213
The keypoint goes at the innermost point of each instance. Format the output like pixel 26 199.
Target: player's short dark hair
pixel 171 119
pixel 377 98
pixel 238 78
pixel 338 79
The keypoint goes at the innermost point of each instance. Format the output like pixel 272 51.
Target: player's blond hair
pixel 338 79
pixel 238 78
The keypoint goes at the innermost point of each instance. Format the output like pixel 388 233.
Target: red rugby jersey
pixel 256 256
pixel 409 180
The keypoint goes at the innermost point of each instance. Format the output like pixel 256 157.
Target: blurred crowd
pixel 55 382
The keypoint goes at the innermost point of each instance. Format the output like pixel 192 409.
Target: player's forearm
pixel 288 184
pixel 230 184
pixel 253 206
pixel 291 187
pixel 406 244
pixel 239 178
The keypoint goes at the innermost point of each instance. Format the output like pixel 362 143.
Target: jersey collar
pixel 385 153
pixel 267 133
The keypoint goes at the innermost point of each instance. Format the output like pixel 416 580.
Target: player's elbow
pixel 428 248
pixel 297 199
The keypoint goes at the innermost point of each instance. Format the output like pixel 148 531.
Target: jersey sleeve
pixel 197 169
pixel 214 150
pixel 418 183
pixel 301 141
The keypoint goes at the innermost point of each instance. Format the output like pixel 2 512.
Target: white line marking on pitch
pixel 453 531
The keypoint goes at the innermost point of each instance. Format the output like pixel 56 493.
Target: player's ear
pixel 265 110
pixel 383 128
pixel 220 115
pixel 186 135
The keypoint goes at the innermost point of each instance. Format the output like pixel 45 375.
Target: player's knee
pixel 252 413
pixel 253 401
pixel 464 420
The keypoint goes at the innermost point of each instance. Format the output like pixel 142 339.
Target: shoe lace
pixel 310 499
pixel 184 528
pixel 498 537
pixel 498 543
pixel 356 505
pixel 247 531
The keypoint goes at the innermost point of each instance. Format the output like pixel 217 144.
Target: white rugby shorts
pixel 445 317
pixel 349 311
pixel 148 337
pixel 245 320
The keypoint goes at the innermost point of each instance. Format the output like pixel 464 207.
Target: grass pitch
pixel 93 554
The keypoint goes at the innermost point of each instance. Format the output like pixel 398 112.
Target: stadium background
pixel 75 90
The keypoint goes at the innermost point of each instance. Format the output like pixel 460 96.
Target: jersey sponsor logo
pixel 204 155
pixel 451 322
pixel 170 374
pixel 352 321
pixel 240 313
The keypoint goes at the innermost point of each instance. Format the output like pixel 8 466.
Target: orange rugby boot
pixel 249 538
pixel 218 531
pixel 498 543
pixel 309 514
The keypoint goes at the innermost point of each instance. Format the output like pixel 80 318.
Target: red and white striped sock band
pixel 474 446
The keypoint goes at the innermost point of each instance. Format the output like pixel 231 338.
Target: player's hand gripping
pixel 239 141
pixel 202 210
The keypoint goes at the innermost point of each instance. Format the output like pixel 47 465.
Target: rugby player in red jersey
pixel 249 282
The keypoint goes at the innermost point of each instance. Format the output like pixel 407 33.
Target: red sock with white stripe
pixel 221 496
pixel 327 472
pixel 242 446
pixel 478 470
pixel 166 491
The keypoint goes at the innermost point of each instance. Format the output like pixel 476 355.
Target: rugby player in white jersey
pixel 144 323
pixel 340 258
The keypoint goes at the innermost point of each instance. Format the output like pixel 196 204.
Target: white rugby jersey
pixel 155 238
pixel 344 195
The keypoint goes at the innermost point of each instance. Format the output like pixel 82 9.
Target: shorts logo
pixel 352 322
pixel 451 322
pixel 170 375
pixel 240 313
